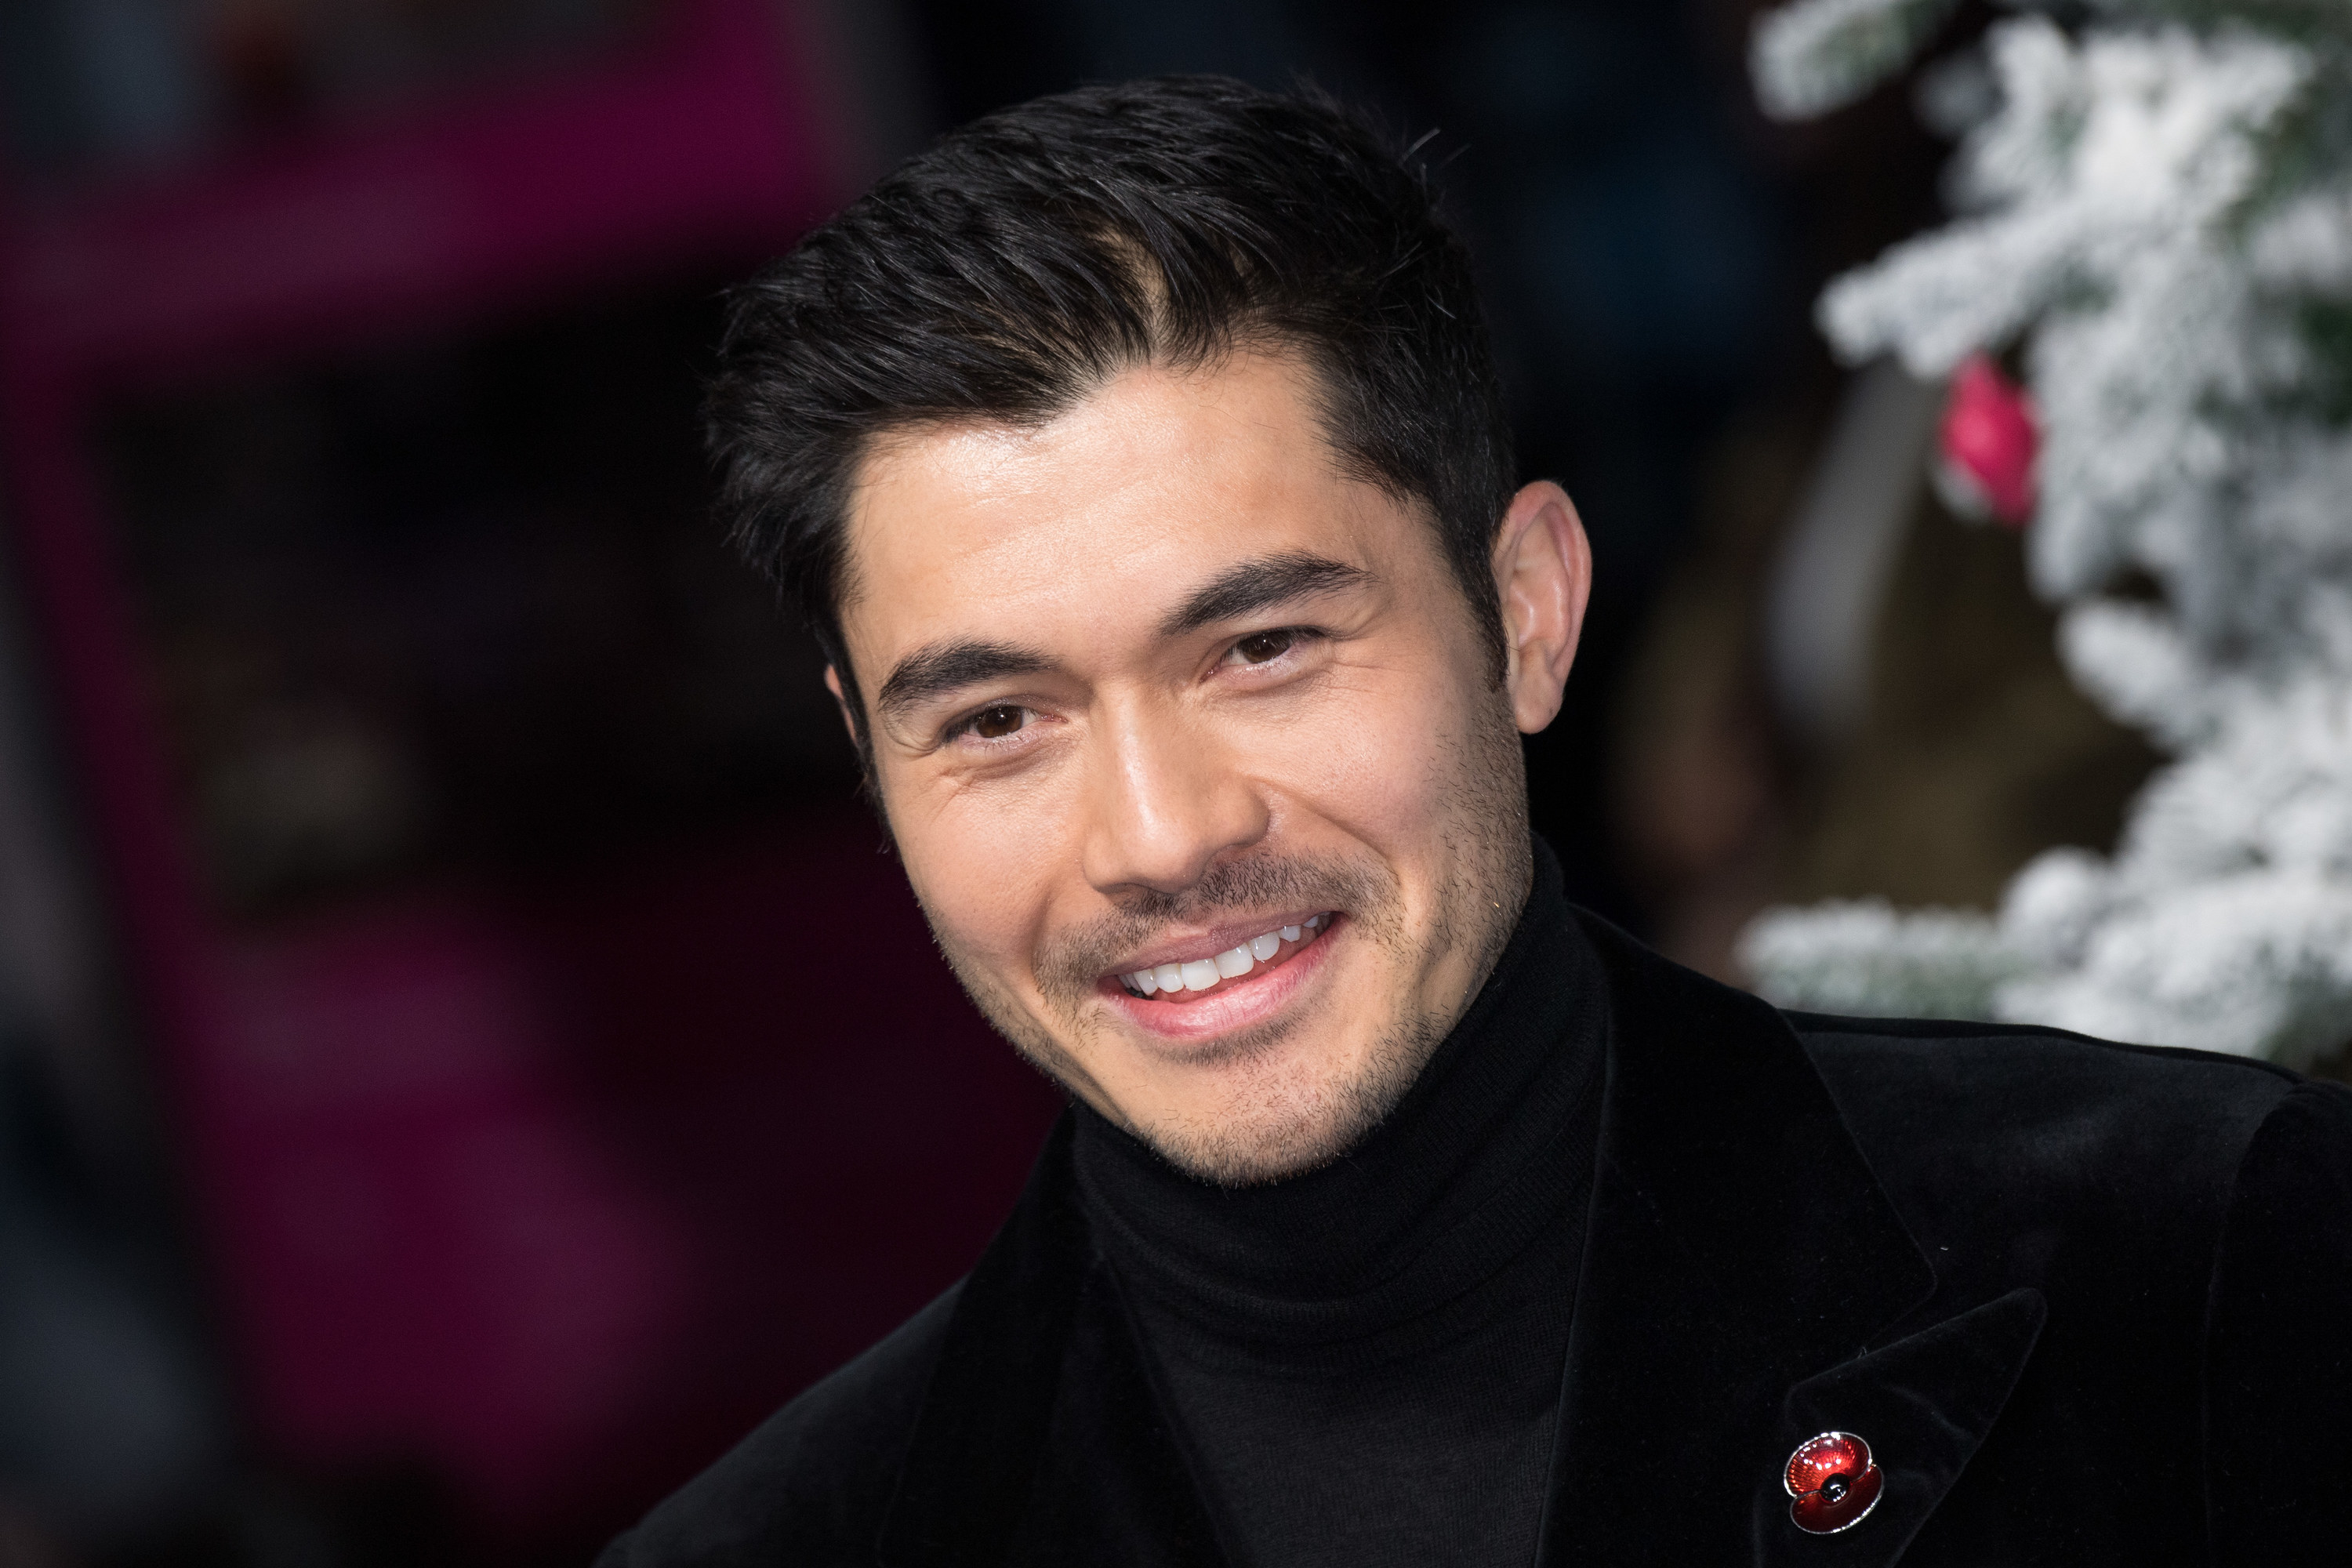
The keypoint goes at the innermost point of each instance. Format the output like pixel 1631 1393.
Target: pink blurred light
pixel 427 1246
pixel 430 1254
pixel 711 142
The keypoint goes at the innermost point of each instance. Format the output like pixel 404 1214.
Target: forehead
pixel 1091 523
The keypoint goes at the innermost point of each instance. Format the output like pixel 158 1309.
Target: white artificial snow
pixel 1819 54
pixel 2156 213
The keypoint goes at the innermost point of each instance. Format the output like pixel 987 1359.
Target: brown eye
pixel 1259 646
pixel 995 724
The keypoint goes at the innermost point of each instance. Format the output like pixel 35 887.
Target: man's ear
pixel 1543 571
pixel 841 700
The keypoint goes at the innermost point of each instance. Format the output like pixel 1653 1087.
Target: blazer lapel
pixel 1111 1484
pixel 965 1482
pixel 1737 1246
pixel 1924 1402
pixel 1041 1441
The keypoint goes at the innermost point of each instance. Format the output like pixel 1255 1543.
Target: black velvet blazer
pixel 2088 1304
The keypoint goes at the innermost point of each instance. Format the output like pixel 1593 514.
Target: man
pixel 1138 458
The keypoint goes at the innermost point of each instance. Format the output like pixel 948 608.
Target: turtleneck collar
pixel 1480 1154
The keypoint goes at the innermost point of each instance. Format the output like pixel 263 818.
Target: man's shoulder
pixel 1929 1055
pixel 2043 1113
pixel 811 1484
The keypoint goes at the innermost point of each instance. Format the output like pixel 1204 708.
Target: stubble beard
pixel 1288 1113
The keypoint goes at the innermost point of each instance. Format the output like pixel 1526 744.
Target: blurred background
pixel 464 1053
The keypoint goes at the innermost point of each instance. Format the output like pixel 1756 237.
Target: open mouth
pixel 1188 979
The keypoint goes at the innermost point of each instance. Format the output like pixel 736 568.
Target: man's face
pixel 1194 754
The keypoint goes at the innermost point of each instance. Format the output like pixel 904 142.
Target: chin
pixel 1280 1121
pixel 1253 1150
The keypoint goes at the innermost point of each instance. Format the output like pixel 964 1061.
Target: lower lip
pixel 1239 1005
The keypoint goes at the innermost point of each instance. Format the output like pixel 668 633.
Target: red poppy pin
pixel 1833 1482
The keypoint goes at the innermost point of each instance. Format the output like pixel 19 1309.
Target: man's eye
pixel 1258 648
pixel 993 724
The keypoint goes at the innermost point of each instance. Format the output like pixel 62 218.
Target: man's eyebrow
pixel 1256 584
pixel 940 667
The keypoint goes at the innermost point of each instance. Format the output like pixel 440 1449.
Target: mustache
pixel 1070 963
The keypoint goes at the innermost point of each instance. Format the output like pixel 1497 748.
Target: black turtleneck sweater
pixel 1365 1361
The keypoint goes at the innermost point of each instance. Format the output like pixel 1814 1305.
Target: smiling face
pixel 1195 754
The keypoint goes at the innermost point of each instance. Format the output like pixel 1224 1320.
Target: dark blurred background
pixel 464 1053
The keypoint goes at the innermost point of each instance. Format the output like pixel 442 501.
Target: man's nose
pixel 1164 801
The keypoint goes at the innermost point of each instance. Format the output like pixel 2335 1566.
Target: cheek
pixel 983 874
pixel 1371 757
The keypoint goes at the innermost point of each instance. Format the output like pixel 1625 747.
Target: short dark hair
pixel 1026 258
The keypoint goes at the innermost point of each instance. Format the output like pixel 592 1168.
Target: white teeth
pixel 1202 973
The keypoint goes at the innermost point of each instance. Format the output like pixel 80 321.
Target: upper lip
pixel 1209 941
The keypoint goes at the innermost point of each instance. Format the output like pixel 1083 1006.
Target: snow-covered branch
pixel 2159 226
